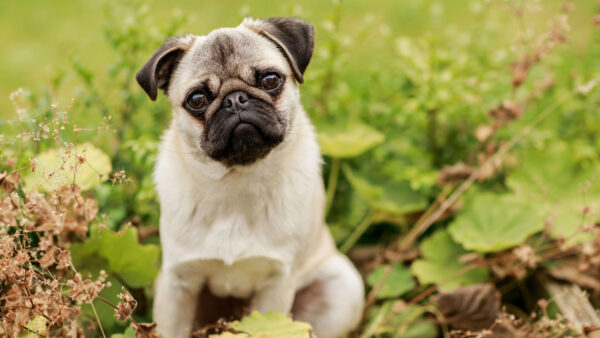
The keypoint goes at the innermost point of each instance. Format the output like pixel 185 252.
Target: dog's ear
pixel 294 37
pixel 156 73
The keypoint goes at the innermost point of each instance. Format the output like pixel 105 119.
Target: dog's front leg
pixel 277 297
pixel 175 305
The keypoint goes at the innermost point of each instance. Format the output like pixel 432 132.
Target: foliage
pixel 271 325
pixel 348 142
pixel 441 263
pixel 135 264
pixel 568 202
pixel 58 162
pixel 398 282
pixel 457 151
pixel 494 222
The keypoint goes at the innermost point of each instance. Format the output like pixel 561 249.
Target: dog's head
pixel 234 91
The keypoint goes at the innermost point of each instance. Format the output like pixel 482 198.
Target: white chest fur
pixel 241 279
pixel 236 229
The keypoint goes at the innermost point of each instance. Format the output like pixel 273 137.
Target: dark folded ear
pixel 156 73
pixel 295 38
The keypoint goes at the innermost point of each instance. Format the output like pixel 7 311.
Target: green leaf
pixel 123 259
pixel 230 335
pixel 492 222
pixel 398 282
pixel 348 142
pixel 407 322
pixel 39 325
pixel 136 264
pixel 57 167
pixel 554 181
pixel 440 263
pixel 271 325
pixel 106 313
pixel 395 197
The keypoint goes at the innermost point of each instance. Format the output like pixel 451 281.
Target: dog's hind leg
pixel 333 300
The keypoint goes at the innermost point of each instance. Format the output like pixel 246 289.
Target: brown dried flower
pixel 125 306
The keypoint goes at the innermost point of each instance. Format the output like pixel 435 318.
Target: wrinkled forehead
pixel 229 53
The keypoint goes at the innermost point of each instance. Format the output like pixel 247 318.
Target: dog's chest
pixel 241 279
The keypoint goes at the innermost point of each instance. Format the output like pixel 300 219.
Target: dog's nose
pixel 236 100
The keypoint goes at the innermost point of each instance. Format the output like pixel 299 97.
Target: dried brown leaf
pixel 9 182
pixel 145 330
pixel 49 258
pixel 472 307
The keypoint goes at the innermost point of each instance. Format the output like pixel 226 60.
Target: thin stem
pixel 98 320
pixel 114 307
pixel 358 232
pixel 372 296
pixel 334 174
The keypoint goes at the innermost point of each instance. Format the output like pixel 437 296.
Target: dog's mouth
pixel 236 136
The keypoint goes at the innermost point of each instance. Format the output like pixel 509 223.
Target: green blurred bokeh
pixel 39 38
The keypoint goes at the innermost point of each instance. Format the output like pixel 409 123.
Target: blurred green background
pixel 39 38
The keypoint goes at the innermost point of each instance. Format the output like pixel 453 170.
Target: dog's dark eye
pixel 197 101
pixel 270 81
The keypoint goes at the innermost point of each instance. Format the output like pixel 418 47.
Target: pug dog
pixel 239 180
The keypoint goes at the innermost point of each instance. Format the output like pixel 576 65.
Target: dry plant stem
pixel 372 296
pixel 98 320
pixel 438 201
pixel 93 308
pixel 416 231
pixel 114 307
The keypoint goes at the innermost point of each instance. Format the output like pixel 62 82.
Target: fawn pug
pixel 239 180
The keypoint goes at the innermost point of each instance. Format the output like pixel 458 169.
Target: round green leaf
pixel 135 263
pixel 398 282
pixel 440 263
pixel 494 222
pixel 84 165
pixel 348 142
pixel 271 325
pixel 561 188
